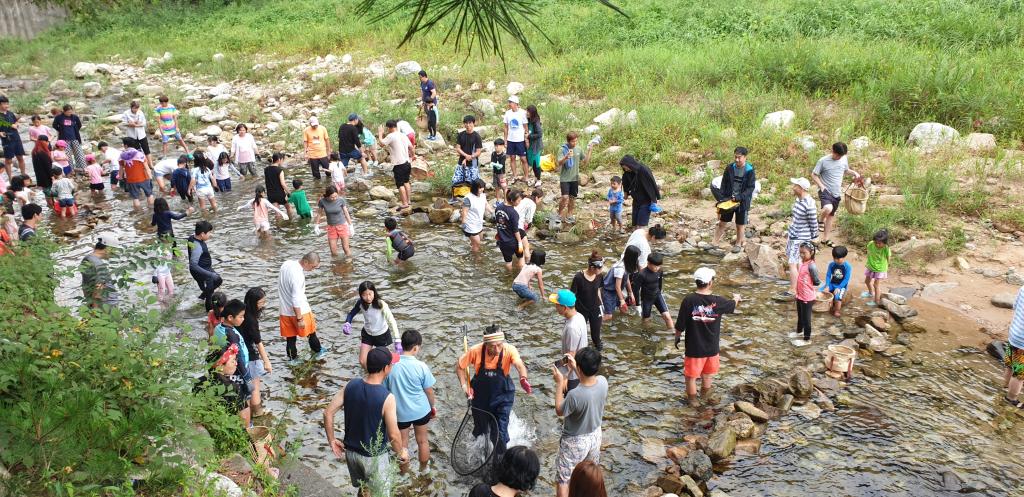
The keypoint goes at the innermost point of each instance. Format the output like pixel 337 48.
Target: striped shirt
pixel 166 117
pixel 804 225
pixel 1017 325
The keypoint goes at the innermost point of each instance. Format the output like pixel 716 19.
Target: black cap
pixel 377 359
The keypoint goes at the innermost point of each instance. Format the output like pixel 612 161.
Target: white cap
pixel 514 99
pixel 803 182
pixel 108 240
pixel 704 274
pixel 314 121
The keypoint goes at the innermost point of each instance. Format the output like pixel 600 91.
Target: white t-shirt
pixel 337 170
pixel 165 167
pixel 113 156
pixel 475 215
pixel 136 132
pixel 243 148
pixel 516 122
pixel 574 337
pixel 213 153
pixel 405 128
pixel 398 147
pixel 639 240
pixel 291 285
pixel 526 209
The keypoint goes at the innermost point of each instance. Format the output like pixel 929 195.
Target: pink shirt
pixel 95 173
pixel 805 290
pixel 34 132
pixel 244 148
pixel 260 214
pixel 527 274
pixel 60 157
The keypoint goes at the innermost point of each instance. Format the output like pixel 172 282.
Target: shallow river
pixel 896 436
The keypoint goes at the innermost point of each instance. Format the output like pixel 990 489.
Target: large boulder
pixel 420 170
pixel 778 120
pixel 980 142
pixel 431 145
pixel 382 193
pixel 221 89
pixel 915 249
pixel 930 136
pixel 83 69
pixel 609 117
pixel 91 89
pixel 440 216
pixel 407 68
pixel 214 116
pixel 484 106
pixel 514 88
pixel 764 260
pixel 721 443
pixel 419 219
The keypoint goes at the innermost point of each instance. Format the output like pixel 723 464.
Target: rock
pixel 421 187
pixel 484 106
pixel 860 143
pixel 455 217
pixel 1012 278
pixel 980 142
pixel 678 453
pixel 1004 300
pixel 878 344
pixel 894 350
pixel 432 145
pixel 809 410
pixel 632 117
pixel 752 411
pixel 214 116
pixel 58 86
pixel 778 120
pixel 420 170
pixel 672 484
pixel 742 425
pixel 961 264
pixel 218 57
pixel 419 219
pixel 930 136
pixel 691 486
pixel 735 258
pixel 376 69
pixel 591 129
pixel 514 88
pixel 997 349
pixel 612 150
pixel 721 444
pixel 896 298
pixel 801 384
pixel 237 464
pixel 584 179
pixel 900 312
pixel 368 212
pixel 91 89
pixel 608 117
pixel 358 185
pixel 440 216
pixel 653 491
pixel 407 68
pixel 671 248
pixel 951 482
pixel 764 260
pixel 915 249
pixel 222 485
pixel 806 143
pixel 697 465
pixel 567 237
pixel 211 130
pixel 786 403
pixel 83 69
pixel 197 112
pixel 145 90
pixel 382 193
pixel 748 447
pixel 346 59
pixel 221 89
pixel 717 493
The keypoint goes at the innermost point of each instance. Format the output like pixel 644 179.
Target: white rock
pixel 83 69
pixel 860 143
pixel 608 117
pixel 214 116
pixel 167 56
pixel 806 143
pixel 211 130
pixel 779 120
pixel 484 106
pixel 220 89
pixel 376 69
pixel 276 116
pixel 491 85
pixel 145 90
pixel 514 88
pixel 431 145
pixel 632 117
pixel 58 86
pixel 346 59
pixel 218 57
pixel 980 142
pixel 91 89
pixel 222 97
pixel 223 485
pixel 382 193
pixel 612 150
pixel 197 112
pixel 407 68
pixel 104 68
pixel 330 59
pixel 591 129
pixel 152 61
pixel 929 136
pixel 273 127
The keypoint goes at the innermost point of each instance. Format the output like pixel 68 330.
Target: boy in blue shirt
pixel 615 199
pixel 837 278
pixel 412 384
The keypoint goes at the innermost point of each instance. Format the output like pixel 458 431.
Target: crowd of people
pixel 394 401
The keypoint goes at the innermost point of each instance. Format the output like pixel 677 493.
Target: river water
pixel 895 436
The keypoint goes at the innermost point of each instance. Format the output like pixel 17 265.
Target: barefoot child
pixel 615 199
pixel 498 159
pixel 261 208
pixel 95 173
pixel 64 189
pixel 837 278
pixel 398 241
pixel 299 201
pixel 521 285
pixel 877 270
pixel 379 325
pixel 806 282
pixel 162 272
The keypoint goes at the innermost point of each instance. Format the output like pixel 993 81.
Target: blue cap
pixel 563 297
pixel 353 116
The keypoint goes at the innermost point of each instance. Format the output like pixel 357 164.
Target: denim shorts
pixel 524 292
pixel 256 369
pixel 142 188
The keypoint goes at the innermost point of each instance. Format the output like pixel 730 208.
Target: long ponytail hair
pixel 260 190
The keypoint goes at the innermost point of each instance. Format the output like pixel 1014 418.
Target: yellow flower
pixel 67 469
pixel 56 353
pixel 127 384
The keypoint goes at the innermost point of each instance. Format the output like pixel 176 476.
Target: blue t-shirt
pixel 838 275
pixel 406 382
pixel 426 88
pixel 616 197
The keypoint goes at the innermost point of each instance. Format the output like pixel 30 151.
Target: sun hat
pixel 801 182
pixel 513 98
pixel 563 297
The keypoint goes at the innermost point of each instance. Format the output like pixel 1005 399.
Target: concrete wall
pixel 24 19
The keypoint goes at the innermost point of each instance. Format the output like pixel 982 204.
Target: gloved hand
pixel 523 382
pixel 678 337
pixel 347 328
pixel 316 229
pixel 398 348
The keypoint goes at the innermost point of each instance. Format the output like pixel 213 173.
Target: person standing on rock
pixel 535 137
pixel 828 175
pixel 318 147
pixel 429 96
pixel 10 139
pixel 401 153
pixel 296 318
pixel 803 227
pixel 69 129
pixel 516 139
pixel 134 121
pixel 638 182
pixel 700 319
pixel 738 184
pixel 1014 357
pixel 583 409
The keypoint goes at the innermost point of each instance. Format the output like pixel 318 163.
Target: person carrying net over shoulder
pixel 491 391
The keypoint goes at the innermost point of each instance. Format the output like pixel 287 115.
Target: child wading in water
pixel 64 188
pixel 261 208
pixel 806 282
pixel 379 325
pixel 398 242
pixel 162 272
pixel 837 278
pixel 521 285
pixel 877 269
pixel 299 201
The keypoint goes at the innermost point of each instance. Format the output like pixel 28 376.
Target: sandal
pixel 1019 404
pixel 828 243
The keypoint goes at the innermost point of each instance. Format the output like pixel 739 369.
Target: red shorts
pixel 694 367
pixel 335 232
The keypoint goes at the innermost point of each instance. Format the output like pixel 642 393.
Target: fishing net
pixel 471 454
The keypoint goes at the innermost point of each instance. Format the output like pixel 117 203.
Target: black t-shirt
pixel 507 219
pixel 498 162
pixel 649 283
pixel 586 294
pixel 348 138
pixel 250 330
pixel 482 490
pixel 469 143
pixel 700 320
pixel 231 389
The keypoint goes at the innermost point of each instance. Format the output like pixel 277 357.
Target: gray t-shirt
pixel 584 408
pixel 831 172
pixel 333 209
pixel 574 337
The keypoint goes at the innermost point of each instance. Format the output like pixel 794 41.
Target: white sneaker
pixel 801 343
pixel 796 335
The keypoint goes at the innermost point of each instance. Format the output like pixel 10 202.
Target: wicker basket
pixel 823 302
pixel 856 199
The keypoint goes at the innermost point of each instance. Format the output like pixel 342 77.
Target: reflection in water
pixel 894 438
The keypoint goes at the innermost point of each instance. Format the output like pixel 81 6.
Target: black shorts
pixel 407 253
pixel 739 213
pixel 419 422
pixel 402 172
pixel 13 148
pixel 186 196
pixel 827 198
pixel 468 234
pixel 382 340
pixel 509 251
pixel 645 306
pixel 142 144
pixel 96 187
pixel 570 188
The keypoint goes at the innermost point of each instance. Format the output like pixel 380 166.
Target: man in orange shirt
pixel 491 390
pixel 318 147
